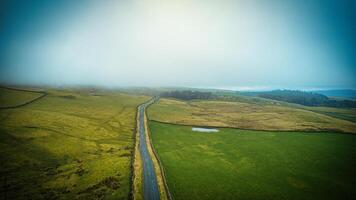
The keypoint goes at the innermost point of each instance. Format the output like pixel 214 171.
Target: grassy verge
pixel 239 164
pixel 71 144
pixel 137 168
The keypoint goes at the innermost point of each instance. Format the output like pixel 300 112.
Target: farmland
pixel 78 144
pixel 70 144
pixel 245 164
pixel 341 113
pixel 253 114
pixel 10 97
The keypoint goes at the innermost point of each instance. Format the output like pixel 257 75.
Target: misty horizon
pixel 235 45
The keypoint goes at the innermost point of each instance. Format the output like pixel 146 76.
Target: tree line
pixel 305 98
pixel 187 95
pixel 290 96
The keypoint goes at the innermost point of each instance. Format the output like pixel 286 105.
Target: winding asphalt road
pixel 150 187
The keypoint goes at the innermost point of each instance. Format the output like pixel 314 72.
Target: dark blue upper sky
pixel 225 44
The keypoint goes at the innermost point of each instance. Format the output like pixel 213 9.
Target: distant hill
pixel 303 98
pixel 351 94
pixel 187 94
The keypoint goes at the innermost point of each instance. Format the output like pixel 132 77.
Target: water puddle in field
pixel 206 130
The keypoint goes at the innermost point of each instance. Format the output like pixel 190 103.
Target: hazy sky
pixel 200 43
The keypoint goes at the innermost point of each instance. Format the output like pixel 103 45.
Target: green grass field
pixel 9 97
pixel 71 144
pixel 341 113
pixel 77 144
pixel 240 164
pixel 348 114
pixel 254 114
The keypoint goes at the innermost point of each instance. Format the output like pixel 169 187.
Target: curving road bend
pixel 150 187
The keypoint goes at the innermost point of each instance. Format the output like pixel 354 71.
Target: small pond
pixel 206 130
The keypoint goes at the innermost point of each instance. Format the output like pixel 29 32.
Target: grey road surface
pixel 150 187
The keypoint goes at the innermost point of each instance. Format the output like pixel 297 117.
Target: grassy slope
pixel 257 115
pixel 348 114
pixel 10 97
pixel 70 145
pixel 341 113
pixel 238 164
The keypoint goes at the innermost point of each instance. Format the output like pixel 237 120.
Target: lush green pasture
pixel 239 164
pixel 256 115
pixel 69 145
pixel 10 97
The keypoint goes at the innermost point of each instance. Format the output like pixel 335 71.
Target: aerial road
pixel 150 186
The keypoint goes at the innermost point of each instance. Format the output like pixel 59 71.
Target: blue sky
pixel 223 44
